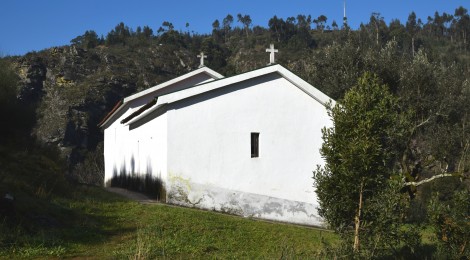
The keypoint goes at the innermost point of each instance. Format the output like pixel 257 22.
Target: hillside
pixel 52 100
pixel 73 87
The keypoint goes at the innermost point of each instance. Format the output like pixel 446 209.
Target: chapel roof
pixel 222 82
pixel 123 102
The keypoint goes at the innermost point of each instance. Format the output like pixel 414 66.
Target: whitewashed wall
pixel 123 148
pixel 209 158
pixel 149 147
pixel 117 141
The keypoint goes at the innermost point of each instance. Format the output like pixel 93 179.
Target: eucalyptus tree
pixel 245 20
pixel 227 24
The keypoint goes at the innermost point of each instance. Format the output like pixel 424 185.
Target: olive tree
pixel 360 153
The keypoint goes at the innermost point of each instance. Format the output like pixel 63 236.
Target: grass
pixel 55 219
pixel 94 223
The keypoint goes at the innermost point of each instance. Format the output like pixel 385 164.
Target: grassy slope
pixel 97 224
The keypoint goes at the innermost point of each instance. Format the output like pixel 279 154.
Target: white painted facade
pixel 127 152
pixel 197 140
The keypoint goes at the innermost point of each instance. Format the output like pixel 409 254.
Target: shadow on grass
pixel 89 218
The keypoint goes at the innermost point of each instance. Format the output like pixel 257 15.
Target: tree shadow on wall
pixel 145 183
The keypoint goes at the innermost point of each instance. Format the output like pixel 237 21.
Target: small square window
pixel 254 145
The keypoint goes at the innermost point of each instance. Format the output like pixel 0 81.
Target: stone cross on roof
pixel 202 56
pixel 271 55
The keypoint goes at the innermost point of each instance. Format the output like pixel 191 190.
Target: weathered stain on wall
pixel 183 192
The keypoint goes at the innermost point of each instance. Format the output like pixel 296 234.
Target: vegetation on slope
pixel 425 63
pixel 91 222
pixel 63 92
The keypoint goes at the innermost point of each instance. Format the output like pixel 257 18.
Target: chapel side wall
pixel 148 147
pixel 116 141
pixel 139 151
pixel 109 147
pixel 120 147
pixel 209 157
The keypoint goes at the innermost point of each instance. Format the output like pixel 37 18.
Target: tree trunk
pixel 377 37
pixel 413 45
pixel 357 219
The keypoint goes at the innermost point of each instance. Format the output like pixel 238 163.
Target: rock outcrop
pixel 73 88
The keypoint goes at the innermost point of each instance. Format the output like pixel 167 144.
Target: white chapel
pixel 245 145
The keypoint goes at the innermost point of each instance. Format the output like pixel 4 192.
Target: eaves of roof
pixel 108 115
pixel 212 85
pixel 122 103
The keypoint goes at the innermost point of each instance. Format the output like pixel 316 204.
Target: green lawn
pixel 91 222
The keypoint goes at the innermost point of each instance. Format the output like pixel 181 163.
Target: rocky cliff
pixel 73 88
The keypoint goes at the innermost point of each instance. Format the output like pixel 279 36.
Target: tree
pixel 227 23
pixel 334 25
pixel 377 21
pixel 276 26
pixel 147 32
pixel 119 35
pixel 88 40
pixel 462 24
pixel 451 224
pixel 397 31
pixel 215 25
pixel 412 27
pixel 360 152
pixel 303 22
pixel 320 22
pixel 246 21
pixel 168 25
pixel 216 30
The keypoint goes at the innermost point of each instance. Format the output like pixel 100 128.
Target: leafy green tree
pixel 147 32
pixel 334 25
pixel 320 22
pixel 215 25
pixel 216 32
pixel 227 23
pixel 462 24
pixel 336 68
pixel 276 28
pixel 246 21
pixel 412 27
pixel 397 31
pixel 451 222
pixel 119 34
pixel 88 40
pixel 169 26
pixel 303 22
pixel 360 152
pixel 377 22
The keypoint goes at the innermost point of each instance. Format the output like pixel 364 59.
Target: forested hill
pixel 63 92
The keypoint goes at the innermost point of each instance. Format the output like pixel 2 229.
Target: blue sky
pixel 27 25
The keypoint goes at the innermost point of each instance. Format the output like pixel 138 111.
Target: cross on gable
pixel 271 55
pixel 202 56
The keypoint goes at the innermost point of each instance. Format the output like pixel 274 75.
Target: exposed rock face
pixel 74 88
pixel 32 74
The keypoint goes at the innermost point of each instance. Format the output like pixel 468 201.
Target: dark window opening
pixel 254 145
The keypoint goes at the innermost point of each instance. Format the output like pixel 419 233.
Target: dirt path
pixel 142 198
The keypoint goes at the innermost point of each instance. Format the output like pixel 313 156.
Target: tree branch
pixel 423 123
pixel 438 176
